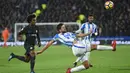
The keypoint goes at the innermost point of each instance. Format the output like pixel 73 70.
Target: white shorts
pixel 87 43
pixel 80 50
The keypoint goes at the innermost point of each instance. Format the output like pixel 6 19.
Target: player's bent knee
pixel 27 59
pixel 86 64
pixel 32 53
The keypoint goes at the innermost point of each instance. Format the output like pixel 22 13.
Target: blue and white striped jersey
pixel 85 28
pixel 94 28
pixel 65 38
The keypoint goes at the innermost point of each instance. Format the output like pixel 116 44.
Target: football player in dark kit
pixel 32 33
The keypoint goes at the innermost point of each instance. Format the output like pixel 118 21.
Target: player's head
pixel 61 28
pixel 31 19
pixel 90 18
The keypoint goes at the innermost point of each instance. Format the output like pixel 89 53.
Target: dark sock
pixel 32 63
pixel 22 58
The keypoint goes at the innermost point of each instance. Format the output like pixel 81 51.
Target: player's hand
pixel 94 34
pixel 39 44
pixel 38 52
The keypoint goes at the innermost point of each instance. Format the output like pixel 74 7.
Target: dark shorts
pixel 28 48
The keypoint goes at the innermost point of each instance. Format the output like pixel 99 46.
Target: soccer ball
pixel 109 4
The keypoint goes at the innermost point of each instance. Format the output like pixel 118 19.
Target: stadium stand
pixel 113 22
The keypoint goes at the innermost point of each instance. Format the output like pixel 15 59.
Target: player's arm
pixel 48 44
pixel 38 38
pixel 80 29
pixel 95 31
pixel 22 31
pixel 84 34
pixel 45 47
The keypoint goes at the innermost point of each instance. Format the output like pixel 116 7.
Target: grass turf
pixel 58 58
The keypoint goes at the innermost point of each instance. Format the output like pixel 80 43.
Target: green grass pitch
pixel 57 59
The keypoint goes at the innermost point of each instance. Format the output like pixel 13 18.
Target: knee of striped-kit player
pixel 86 64
pixel 78 55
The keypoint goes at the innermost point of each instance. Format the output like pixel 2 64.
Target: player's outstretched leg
pixel 114 45
pixel 75 64
pixel 104 47
pixel 85 65
pixel 78 68
pixel 83 56
pixel 32 61
pixel 21 58
pixel 11 56
pixel 79 58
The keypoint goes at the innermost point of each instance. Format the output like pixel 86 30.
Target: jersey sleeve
pixel 95 29
pixel 38 36
pixel 55 38
pixel 22 31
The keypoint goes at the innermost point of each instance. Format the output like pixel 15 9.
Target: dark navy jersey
pixel 32 33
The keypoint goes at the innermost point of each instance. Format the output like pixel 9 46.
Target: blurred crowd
pixel 115 22
pixel 13 11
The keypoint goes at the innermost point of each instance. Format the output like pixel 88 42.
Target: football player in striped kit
pixel 70 39
pixel 87 40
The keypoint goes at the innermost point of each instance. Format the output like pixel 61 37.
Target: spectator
pixel 5 35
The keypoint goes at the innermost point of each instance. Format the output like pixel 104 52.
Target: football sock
pixel 78 59
pixel 102 47
pixel 32 63
pixel 78 68
pixel 87 55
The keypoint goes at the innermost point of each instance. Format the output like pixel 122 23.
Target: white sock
pixel 78 59
pixel 78 68
pixel 88 55
pixel 103 47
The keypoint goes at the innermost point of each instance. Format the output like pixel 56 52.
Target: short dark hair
pixel 59 26
pixel 90 15
pixel 30 17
